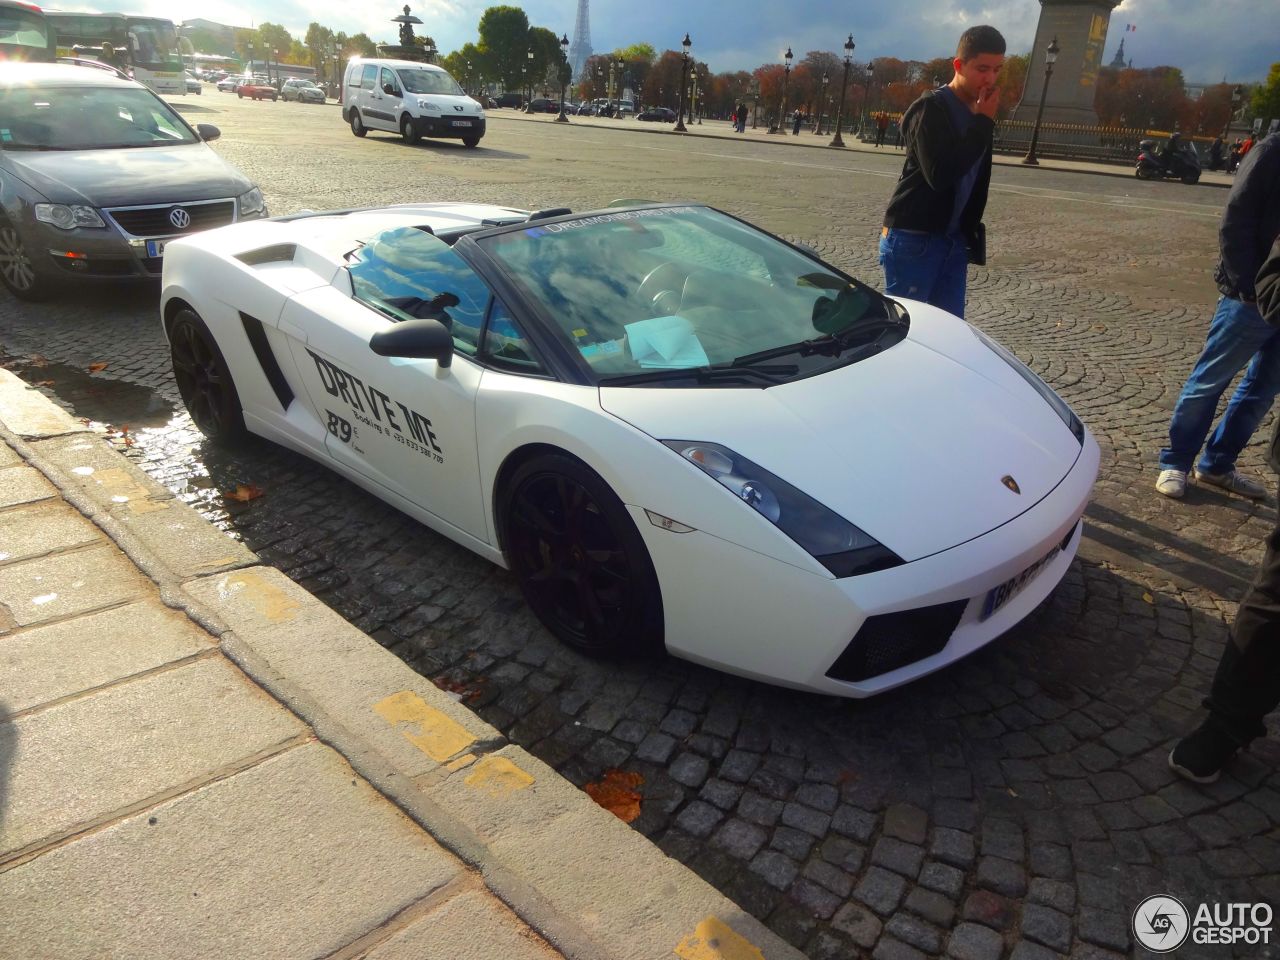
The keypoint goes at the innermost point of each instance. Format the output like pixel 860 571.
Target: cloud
pixel 1235 38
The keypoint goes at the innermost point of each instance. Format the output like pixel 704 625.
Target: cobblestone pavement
pixel 1015 805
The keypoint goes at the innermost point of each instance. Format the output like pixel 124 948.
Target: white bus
pixel 147 48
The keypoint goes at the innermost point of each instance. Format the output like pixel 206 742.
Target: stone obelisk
pixel 1081 29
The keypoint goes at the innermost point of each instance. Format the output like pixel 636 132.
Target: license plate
pixel 462 123
pixel 999 596
pixel 155 248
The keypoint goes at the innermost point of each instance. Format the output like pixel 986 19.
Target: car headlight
pixel 825 535
pixel 1059 405
pixel 251 204
pixel 67 217
pixel 428 105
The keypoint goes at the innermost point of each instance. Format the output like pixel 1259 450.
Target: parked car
pixel 97 174
pixel 658 114
pixel 732 449
pixel 303 91
pixel 258 88
pixel 626 108
pixel 413 99
pixel 229 84
pixel 543 105
pixel 194 85
pixel 510 100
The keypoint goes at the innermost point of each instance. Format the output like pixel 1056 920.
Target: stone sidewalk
pixel 199 759
pixel 722 130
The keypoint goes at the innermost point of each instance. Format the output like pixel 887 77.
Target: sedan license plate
pixel 155 248
pixel 462 123
pixel 997 597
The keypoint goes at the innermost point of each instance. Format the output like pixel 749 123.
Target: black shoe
pixel 1201 754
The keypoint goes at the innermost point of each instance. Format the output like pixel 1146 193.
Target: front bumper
pixel 447 127
pixel 755 616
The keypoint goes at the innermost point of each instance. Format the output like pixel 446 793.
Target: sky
pixel 1210 40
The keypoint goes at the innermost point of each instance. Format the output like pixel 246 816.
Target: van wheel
pixel 408 132
pixel 470 142
pixel 357 125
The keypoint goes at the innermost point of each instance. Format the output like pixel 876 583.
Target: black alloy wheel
pixel 204 381
pixel 581 563
pixel 357 125
pixel 19 273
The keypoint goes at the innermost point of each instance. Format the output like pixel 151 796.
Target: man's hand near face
pixel 989 102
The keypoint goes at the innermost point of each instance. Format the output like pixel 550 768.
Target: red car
pixel 258 89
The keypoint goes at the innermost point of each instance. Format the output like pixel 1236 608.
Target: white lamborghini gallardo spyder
pixel 674 428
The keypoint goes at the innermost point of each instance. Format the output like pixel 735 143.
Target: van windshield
pixel 429 81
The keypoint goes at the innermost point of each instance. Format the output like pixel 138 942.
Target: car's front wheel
pixel 408 132
pixel 581 562
pixel 357 125
pixel 470 142
pixel 204 380
pixel 20 273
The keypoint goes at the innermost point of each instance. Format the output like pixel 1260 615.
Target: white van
pixel 412 99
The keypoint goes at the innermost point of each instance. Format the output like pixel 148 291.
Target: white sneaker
pixel 1172 483
pixel 1235 481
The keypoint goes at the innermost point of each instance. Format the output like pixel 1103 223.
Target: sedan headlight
pixel 825 535
pixel 251 204
pixel 67 217
pixel 1026 373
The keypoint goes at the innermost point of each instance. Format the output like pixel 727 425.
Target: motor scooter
pixel 1176 162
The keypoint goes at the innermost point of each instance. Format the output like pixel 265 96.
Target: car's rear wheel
pixel 408 132
pixel 470 142
pixel 204 380
pixel 1191 178
pixel 581 562
pixel 357 125
pixel 21 274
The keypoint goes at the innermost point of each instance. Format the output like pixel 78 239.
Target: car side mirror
pixel 389 89
pixel 423 338
pixel 208 131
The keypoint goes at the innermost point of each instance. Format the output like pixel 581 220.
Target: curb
pixel 580 877
pixel 1000 160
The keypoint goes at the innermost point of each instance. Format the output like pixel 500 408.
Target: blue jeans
pixel 932 267
pixel 1237 335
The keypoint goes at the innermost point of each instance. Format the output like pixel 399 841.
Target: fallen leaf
pixel 617 793
pixel 1148 598
pixel 97 367
pixel 36 360
pixel 1012 792
pixel 244 492
pixel 465 691
pixel 44 383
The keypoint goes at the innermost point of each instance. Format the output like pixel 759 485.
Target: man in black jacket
pixel 932 226
pixel 1246 686
pixel 1237 336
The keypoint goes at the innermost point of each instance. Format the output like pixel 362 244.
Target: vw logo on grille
pixel 180 218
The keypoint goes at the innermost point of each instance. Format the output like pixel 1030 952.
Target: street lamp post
pixel 698 88
pixel 755 103
pixel 276 53
pixel 782 106
pixel 1050 57
pixel 837 140
pixel 685 44
pixel 617 90
pixel 562 69
pixel 823 104
pixel 525 81
pixel 249 44
pixel 866 98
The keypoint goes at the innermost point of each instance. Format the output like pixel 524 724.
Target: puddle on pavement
pixel 116 403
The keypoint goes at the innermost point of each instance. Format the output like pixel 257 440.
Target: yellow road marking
pixel 438 736
pixel 716 940
pixel 498 776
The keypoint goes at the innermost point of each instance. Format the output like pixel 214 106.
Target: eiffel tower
pixel 580 49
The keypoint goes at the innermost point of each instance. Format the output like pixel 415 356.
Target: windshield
pixel 429 81
pixel 23 34
pixel 154 44
pixel 688 288
pixel 87 118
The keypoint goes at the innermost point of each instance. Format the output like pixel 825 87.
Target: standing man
pixel 933 224
pixel 882 125
pixel 1237 336
pixel 1246 686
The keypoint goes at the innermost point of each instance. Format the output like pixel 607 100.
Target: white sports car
pixel 674 428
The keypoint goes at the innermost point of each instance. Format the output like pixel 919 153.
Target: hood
pixel 911 445
pixel 450 106
pixel 127 177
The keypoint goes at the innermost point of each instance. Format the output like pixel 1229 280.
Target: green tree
pixel 637 52
pixel 1266 96
pixel 319 44
pixel 546 56
pixel 504 37
pixel 361 46
pixel 275 37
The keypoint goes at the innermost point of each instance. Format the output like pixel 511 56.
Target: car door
pixel 408 425
pixel 384 108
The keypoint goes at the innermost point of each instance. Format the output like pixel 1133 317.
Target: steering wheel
pixel 660 290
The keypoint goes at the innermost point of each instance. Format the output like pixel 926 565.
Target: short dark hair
pixel 979 40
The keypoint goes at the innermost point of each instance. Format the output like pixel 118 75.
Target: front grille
pixel 154 221
pixel 892 640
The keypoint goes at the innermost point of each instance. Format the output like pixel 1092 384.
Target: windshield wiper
pixel 728 374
